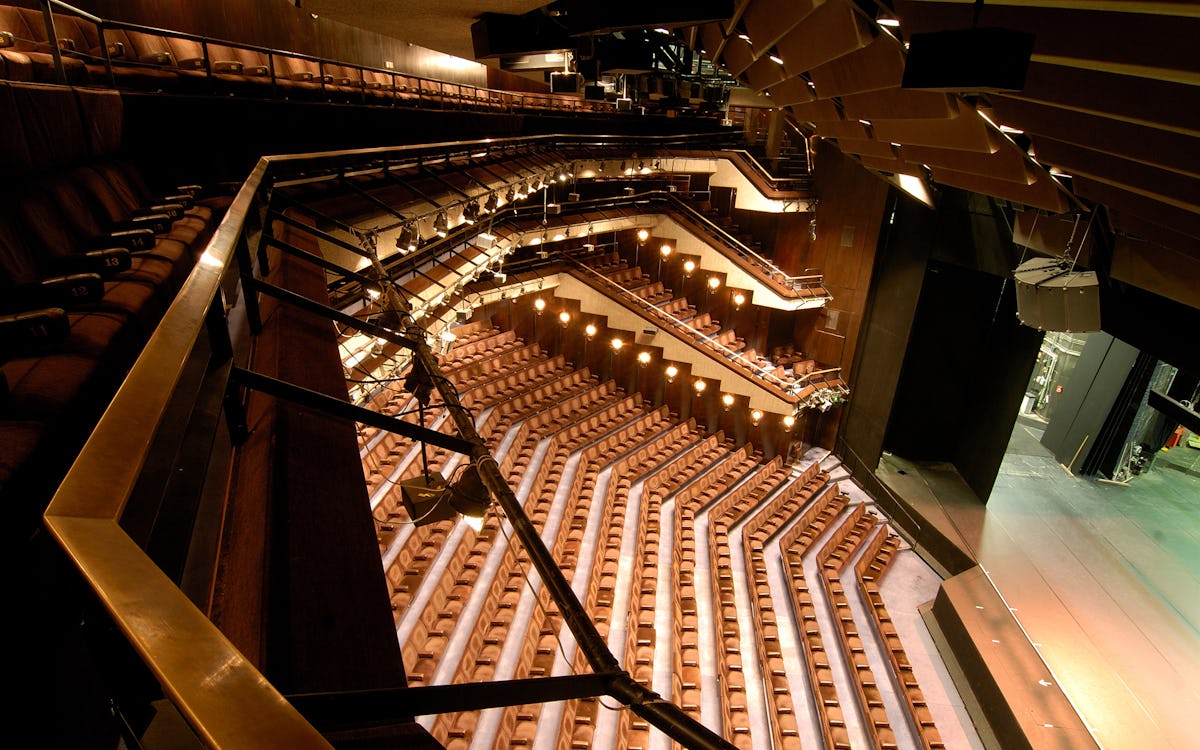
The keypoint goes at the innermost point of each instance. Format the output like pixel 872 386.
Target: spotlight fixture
pixel 470 212
pixel 469 497
pixel 671 372
pixel 441 225
pixel 511 195
pixel 491 203
pixel 643 358
pixel 409 238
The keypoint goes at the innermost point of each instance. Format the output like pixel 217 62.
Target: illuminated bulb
pixel 590 330
pixel 727 399
pixel 665 250
pixel 644 358
pixel 643 235
pixel 564 317
pixel 755 416
pixel 776 59
pixel 373 293
pixel 689 266
pixel 672 371
pixel 739 299
pixel 713 282
pixel 789 421
pixel 617 344
pixel 475 523
pixel 699 385
pixel 539 304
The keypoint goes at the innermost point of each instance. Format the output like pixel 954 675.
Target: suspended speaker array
pixel 1053 297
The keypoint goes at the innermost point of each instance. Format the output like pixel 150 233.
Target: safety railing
pixel 373 85
pixel 224 699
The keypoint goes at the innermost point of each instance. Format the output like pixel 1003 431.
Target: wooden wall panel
pixel 280 25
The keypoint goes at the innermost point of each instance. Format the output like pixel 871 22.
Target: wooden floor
pixel 1104 579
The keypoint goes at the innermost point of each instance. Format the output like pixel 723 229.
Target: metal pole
pixel 644 702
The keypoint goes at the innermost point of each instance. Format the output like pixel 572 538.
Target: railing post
pixel 60 73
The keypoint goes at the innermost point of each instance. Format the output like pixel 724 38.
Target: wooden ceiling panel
pixel 712 40
pixel 764 73
pixel 1161 269
pixel 1055 235
pixel 900 104
pixel 1180 190
pixel 1156 212
pixel 842 129
pixel 867 147
pixel 1142 100
pixel 821 110
pixel 967 132
pixel 737 56
pixel 832 30
pixel 1160 147
pixel 1130 224
pixel 879 65
pixel 1161 40
pixel 791 91
pixel 1044 193
pixel 768 21
pixel 1006 163
pixel 892 166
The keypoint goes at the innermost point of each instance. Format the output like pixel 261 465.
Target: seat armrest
pixel 186 200
pixel 7 39
pixel 157 223
pixel 191 190
pixel 191 63
pixel 301 76
pixel 227 66
pixel 106 262
pixel 116 49
pixel 326 78
pixel 130 239
pixel 33 329
pixel 256 70
pixel 173 210
pixel 57 291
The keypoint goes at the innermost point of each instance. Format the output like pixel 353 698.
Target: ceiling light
pixel 776 59
pixel 893 22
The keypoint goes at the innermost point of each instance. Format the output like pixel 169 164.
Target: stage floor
pixel 1104 579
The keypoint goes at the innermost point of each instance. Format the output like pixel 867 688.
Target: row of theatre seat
pixel 90 257
pixel 175 62
pixel 458 595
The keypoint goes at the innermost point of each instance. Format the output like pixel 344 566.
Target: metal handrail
pixel 225 700
pixel 787 390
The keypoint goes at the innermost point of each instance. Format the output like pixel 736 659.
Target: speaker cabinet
pixel 976 59
pixel 1050 297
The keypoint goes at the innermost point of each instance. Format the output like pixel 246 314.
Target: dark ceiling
pixel 1109 114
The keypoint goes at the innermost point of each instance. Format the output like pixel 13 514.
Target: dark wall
pixel 899 272
pixel 964 374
